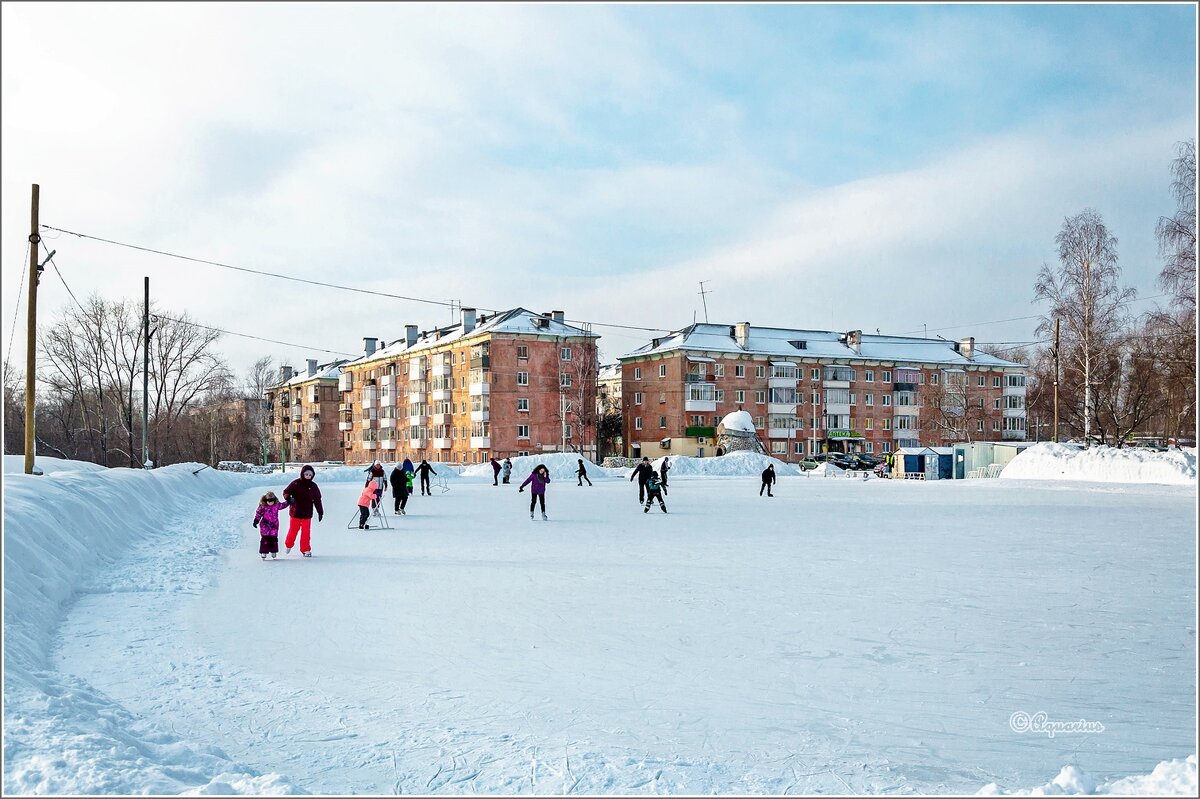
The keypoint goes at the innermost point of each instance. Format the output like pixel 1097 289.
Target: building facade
pixel 512 383
pixel 812 391
pixel 302 413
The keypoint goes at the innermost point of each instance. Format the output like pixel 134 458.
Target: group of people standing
pixel 652 485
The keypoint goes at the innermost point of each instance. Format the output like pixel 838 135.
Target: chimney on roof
pixel 741 334
pixel 482 318
pixel 854 340
pixel 285 373
pixel 312 367
pixel 966 346
pixel 369 344
pixel 557 316
pixel 468 320
pixel 410 335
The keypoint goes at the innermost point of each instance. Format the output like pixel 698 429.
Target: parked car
pixel 838 459
pixel 808 463
pixel 865 462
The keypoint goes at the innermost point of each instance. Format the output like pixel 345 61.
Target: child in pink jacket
pixel 365 500
pixel 266 519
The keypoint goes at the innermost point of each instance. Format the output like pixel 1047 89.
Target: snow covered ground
pixel 846 635
pixel 1050 461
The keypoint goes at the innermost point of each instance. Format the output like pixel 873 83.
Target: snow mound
pixel 15 464
pixel 62 736
pixel 735 464
pixel 825 470
pixel 562 465
pixel 741 421
pixel 1169 778
pixel 1051 461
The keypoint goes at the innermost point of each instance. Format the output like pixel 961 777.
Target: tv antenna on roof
pixel 704 299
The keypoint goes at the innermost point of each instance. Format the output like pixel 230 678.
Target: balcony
pixel 1014 413
pixel 417 370
pixel 700 432
pixel 418 389
pixel 1013 435
pixel 441 443
pixel 780 432
pixel 345 425
pixel 417 443
pixel 479 389
pixel 441 369
pixel 387 422
pixel 1014 391
pixel 441 418
pixel 782 408
pixel 480 416
pixel 695 378
pixel 700 397
pixel 370 396
pixel 481 362
pixel 368 424
pixel 441 395
pixel 296 413
pixel 903 387
pixel 369 445
pixel 346 381
pixel 345 406
pixel 481 442
pixel 416 420
pixel 389 444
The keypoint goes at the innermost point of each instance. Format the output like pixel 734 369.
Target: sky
pixel 895 167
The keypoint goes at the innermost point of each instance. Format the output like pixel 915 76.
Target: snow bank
pixel 1169 778
pixel 358 472
pixel 15 464
pixel 1050 461
pixel 735 464
pixel 825 470
pixel 60 530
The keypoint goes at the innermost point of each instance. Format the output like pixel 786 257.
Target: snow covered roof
pixel 327 371
pixel 519 321
pixel 610 371
pixel 776 343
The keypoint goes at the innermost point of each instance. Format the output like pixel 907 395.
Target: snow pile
pixel 735 464
pixel 1169 778
pixel 741 421
pixel 562 465
pixel 60 531
pixel 824 470
pixel 1050 461
pixel 15 464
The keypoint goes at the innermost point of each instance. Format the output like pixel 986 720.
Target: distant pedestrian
pixel 642 472
pixel 582 473
pixel 662 473
pixel 365 500
pixel 399 483
pixel 653 492
pixel 506 473
pixel 495 472
pixel 768 479
pixel 304 497
pixel 266 519
pixel 425 469
pixel 539 477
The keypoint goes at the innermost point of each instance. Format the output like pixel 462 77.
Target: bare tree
pixel 183 370
pixel 952 406
pixel 261 376
pixel 1085 295
pixel 14 410
pixel 1130 390
pixel 1177 234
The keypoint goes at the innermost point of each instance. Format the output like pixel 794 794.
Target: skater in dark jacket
pixel 540 476
pixel 425 469
pixel 642 472
pixel 399 489
pixel 768 479
pixel 653 492
pixel 304 496
pixel 266 519
pixel 582 473
pixel 662 473
pixel 495 472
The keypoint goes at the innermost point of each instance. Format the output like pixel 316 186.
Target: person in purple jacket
pixel 540 476
pixel 266 519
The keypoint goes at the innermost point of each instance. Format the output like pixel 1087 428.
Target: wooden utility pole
pixel 31 331
pixel 146 377
pixel 1056 362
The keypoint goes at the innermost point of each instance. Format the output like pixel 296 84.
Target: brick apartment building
pixel 302 409
pixel 813 391
pixel 506 384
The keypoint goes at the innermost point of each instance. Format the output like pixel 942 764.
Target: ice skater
pixel 768 479
pixel 375 470
pixel 582 473
pixel 642 472
pixel 425 469
pixel 266 519
pixel 304 497
pixel 399 481
pixel 540 476
pixel 365 500
pixel 496 472
pixel 653 492
pixel 662 473
pixel 506 472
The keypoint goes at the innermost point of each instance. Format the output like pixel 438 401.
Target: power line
pixel 17 312
pixel 277 276
pixel 1020 318
pixel 50 258
pixel 247 335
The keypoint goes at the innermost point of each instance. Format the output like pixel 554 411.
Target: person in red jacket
pixel 304 497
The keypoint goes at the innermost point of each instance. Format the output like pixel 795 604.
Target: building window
pixel 995 381
pixel 637 398
pixel 887 424
pixel 867 423
pixel 637 373
pixel 759 421
pixel 887 377
pixel 739 396
pixel 869 445
pixel 979 426
pixel 887 398
pixel 564 379
pixel 868 376
pixel 662 370
pixel 637 423
pixel 996 425
pixel 566 431
pixel 697 420
pixel 719 370
pixel 662 397
pixel 523 352
pixel 887 446
pixel 522 431
pixel 739 370
pixel 564 354
pixel 996 404
pixel 522 403
pixel 760 397
pixel 868 399
pixel 760 371
pixel 798 447
pixel 522 378
pixel 779 447
pixel 815 374
pixel 981 381
pixel 662 421
pixel 933 379
pixel 720 395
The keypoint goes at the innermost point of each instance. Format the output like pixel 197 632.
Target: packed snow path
pixel 843 636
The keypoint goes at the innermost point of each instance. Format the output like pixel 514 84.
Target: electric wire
pixel 17 312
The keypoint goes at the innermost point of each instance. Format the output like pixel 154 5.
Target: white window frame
pixel 523 404
pixel 662 370
pixel 522 431
pixel 522 378
pixel 637 423
pixel 637 398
